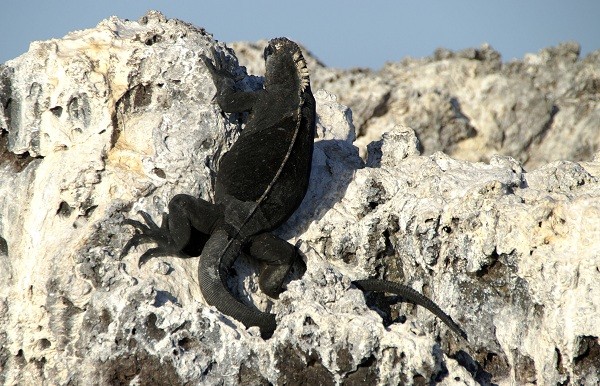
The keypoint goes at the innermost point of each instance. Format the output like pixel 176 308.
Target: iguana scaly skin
pixel 260 182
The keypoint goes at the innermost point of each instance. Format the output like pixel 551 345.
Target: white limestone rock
pixel 111 120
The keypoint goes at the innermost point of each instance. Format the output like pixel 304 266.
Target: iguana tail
pixel 212 269
pixel 410 295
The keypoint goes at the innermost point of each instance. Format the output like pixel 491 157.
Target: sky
pixel 341 34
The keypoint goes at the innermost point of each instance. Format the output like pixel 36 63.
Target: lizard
pixel 260 182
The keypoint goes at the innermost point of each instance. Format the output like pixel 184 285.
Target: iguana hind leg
pixel 278 256
pixel 217 257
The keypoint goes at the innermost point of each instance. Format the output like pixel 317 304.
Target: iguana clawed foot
pixel 218 65
pixel 151 232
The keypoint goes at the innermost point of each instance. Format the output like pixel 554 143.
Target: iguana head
pixel 284 61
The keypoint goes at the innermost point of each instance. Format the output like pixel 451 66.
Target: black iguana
pixel 260 182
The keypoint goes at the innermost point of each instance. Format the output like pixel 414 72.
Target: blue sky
pixel 342 34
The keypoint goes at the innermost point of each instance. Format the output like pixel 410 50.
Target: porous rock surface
pixel 119 118
pixel 471 105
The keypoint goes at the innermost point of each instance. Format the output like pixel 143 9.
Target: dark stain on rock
pixel 153 331
pixel 79 109
pixel 5 359
pixel 587 359
pixel 366 373
pixel 344 360
pixel 63 315
pixel 300 368
pixel 142 96
pixel 473 367
pixel 136 98
pixel 524 369
pixel 139 365
pixel 95 322
pixel 249 375
pixel 15 162
pixel 496 364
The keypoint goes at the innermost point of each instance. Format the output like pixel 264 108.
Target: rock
pixel 119 118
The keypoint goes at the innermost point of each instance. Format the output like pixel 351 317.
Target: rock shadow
pixel 334 163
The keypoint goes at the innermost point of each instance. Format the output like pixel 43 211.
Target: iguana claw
pixel 150 232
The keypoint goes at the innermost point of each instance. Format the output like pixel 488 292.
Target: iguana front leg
pixel 229 99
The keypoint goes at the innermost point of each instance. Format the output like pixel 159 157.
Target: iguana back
pixel 269 165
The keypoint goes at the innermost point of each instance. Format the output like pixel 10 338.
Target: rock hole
pixel 57 111
pixel 64 210
pixel 588 352
pixel 159 172
pixel 559 361
pixel 524 368
pixel 389 247
pixel 162 297
pixel 152 40
pixel 44 343
pixel 186 343
pixel 349 257
pixel 88 212
pixel 3 247
pixel 496 364
pixel 419 380
pixel 208 368
pixel 366 373
pixel 187 325
pixel 308 321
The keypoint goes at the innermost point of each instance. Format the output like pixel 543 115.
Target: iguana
pixel 259 184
